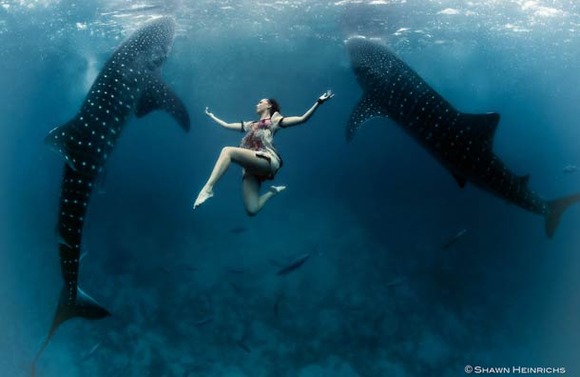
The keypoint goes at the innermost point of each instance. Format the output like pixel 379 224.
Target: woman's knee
pixel 252 211
pixel 226 151
pixel 252 206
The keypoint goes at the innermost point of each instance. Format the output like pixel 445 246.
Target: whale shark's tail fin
pixel 555 210
pixel 85 307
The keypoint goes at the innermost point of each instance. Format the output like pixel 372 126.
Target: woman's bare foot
pixel 204 195
pixel 277 189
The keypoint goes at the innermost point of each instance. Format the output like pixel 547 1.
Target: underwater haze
pixel 408 274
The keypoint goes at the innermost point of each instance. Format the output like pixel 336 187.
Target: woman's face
pixel 262 106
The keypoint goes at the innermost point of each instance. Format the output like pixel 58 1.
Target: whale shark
pixel 461 142
pixel 129 84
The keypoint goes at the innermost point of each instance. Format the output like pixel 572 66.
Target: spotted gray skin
pixel 129 83
pixel 461 142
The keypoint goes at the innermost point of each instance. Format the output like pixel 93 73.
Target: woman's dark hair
pixel 275 106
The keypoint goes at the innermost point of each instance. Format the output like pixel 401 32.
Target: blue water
pixel 196 293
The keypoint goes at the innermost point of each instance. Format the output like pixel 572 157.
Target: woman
pixel 256 153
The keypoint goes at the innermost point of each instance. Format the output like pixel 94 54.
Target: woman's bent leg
pixel 252 199
pixel 244 157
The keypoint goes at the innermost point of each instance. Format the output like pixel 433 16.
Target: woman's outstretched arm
pixel 238 126
pixel 296 120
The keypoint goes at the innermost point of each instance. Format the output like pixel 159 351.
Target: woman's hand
pixel 325 97
pixel 208 113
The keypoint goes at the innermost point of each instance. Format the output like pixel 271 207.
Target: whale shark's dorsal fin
pixel 480 128
pixel 524 179
pixel 366 109
pixel 158 96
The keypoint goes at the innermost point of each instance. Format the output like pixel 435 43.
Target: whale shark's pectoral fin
pixel 62 138
pixel 363 111
pixel 159 96
pixel 461 181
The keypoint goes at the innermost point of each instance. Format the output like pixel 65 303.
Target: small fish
pixel 91 352
pixel 236 270
pixel 275 263
pixel 238 229
pixel 395 282
pixel 293 265
pixel 243 346
pixel 277 306
pixel 570 169
pixel 164 269
pixel 203 321
pixel 453 239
